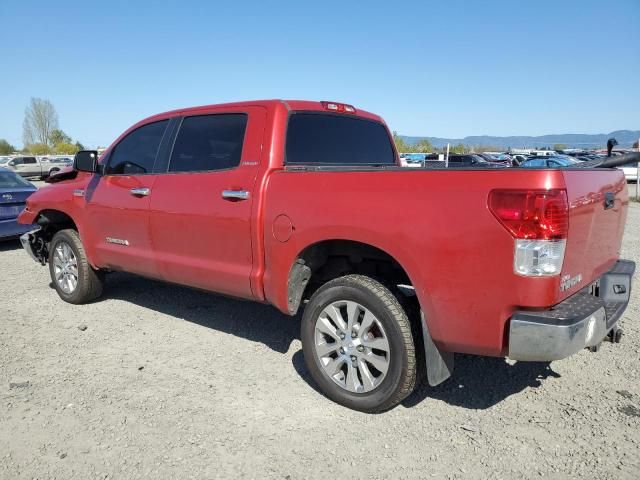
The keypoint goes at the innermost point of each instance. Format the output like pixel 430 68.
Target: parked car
pixel 630 171
pixel 412 159
pixel 32 167
pixel 303 204
pixel 549 162
pixel 499 159
pixel 14 191
pixel 57 164
pixel 468 160
pixel 518 158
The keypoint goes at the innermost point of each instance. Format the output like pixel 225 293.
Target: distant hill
pixel 625 138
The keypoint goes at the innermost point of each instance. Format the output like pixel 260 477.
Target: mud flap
pixel 439 362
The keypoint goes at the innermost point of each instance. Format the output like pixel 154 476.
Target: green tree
pixel 423 146
pixel 38 148
pixel 58 136
pixel 6 148
pixel 80 146
pixel 65 148
pixel 401 145
pixel 559 146
pixel 460 148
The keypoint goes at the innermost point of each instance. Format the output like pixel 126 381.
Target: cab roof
pixel 291 105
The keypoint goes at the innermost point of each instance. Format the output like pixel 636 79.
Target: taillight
pixel 539 222
pixel 338 107
pixel 532 214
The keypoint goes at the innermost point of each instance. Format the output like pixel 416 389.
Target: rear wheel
pixel 358 345
pixel 73 277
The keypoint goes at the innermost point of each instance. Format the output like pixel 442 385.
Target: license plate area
pixel 10 211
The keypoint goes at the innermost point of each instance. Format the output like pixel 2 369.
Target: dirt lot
pixel 167 382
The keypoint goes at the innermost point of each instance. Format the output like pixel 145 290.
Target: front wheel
pixel 358 345
pixel 73 277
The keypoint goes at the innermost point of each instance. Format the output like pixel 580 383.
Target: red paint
pixel 437 224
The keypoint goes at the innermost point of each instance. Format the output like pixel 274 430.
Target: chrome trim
pixel 140 192
pixel 235 194
pixel 540 341
pixel 25 240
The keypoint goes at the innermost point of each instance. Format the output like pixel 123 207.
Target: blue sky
pixel 438 68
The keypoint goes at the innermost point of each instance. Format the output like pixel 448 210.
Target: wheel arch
pixel 324 260
pixel 52 220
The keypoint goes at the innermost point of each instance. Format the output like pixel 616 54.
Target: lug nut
pixel 342 335
pixel 341 350
pixel 360 348
pixel 353 359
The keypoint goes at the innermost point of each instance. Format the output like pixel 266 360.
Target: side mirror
pixel 86 161
pixel 612 142
pixel 12 163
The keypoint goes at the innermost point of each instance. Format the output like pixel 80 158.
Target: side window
pixel 30 160
pixel 18 161
pixel 136 153
pixel 209 142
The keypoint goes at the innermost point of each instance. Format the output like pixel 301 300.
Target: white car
pixel 630 171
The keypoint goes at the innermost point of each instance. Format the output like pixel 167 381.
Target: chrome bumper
pixel 582 320
pixel 26 239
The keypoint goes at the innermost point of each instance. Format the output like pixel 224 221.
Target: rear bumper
pixel 12 229
pixel 582 320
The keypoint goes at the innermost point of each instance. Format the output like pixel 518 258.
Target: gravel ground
pixel 159 381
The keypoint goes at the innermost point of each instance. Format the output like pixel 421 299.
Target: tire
pixel 375 393
pixel 88 282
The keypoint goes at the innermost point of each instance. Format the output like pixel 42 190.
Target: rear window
pixel 325 139
pixel 11 180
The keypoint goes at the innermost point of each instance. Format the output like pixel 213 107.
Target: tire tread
pixel 397 312
pixel 90 281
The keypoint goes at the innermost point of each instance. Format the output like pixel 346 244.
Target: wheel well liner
pixel 329 259
pixel 56 219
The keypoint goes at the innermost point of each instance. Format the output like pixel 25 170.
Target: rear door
pixel 117 202
pixel 200 214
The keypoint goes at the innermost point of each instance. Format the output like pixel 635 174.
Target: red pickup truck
pixel 304 204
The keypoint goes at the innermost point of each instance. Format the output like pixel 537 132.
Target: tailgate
pixel 598 204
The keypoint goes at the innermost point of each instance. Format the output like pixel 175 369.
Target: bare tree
pixel 40 119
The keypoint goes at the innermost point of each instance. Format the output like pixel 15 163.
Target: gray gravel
pixel 159 381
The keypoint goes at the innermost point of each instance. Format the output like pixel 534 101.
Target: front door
pixel 200 214
pixel 117 205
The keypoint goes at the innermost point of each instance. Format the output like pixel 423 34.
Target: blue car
pixel 14 191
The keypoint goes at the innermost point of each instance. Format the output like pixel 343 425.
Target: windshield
pixel 12 180
pixel 3 160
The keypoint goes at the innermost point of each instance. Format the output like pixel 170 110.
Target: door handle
pixel 235 194
pixel 140 192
